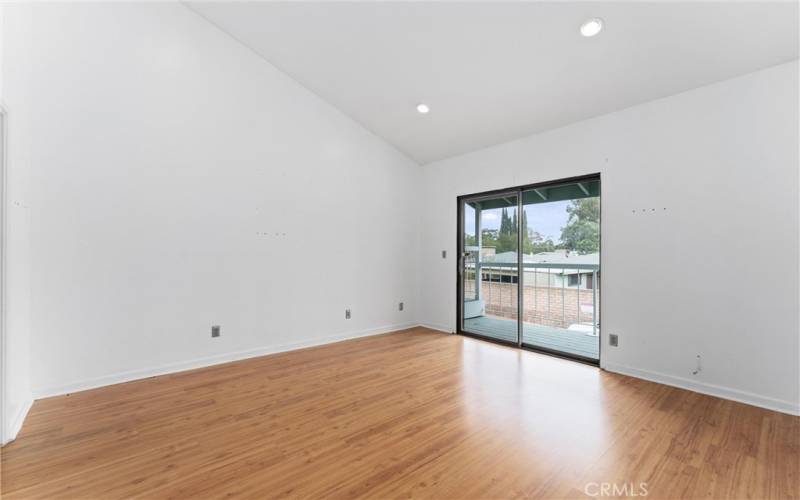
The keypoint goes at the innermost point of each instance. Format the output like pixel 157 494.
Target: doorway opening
pixel 529 267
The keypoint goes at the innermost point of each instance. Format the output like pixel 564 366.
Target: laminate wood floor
pixel 409 414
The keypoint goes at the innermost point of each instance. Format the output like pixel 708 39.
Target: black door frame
pixel 459 267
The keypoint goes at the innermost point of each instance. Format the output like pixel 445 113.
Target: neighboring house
pixel 501 268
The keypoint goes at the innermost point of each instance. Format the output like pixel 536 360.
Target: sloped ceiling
pixel 492 72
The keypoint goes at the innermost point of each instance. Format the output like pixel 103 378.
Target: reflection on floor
pixel 414 414
pixel 557 339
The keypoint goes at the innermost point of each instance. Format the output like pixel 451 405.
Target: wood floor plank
pixel 411 414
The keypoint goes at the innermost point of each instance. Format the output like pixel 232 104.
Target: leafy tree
pixel 506 226
pixel 585 209
pixel 506 238
pixel 582 232
pixel 514 224
pixel 526 233
pixel 534 243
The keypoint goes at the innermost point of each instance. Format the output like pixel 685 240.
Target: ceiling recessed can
pixel 423 108
pixel 592 27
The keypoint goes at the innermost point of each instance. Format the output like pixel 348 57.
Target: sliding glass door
pixel 561 244
pixel 529 267
pixel 489 278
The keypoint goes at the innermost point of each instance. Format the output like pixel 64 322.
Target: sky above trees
pixel 571 224
pixel 545 218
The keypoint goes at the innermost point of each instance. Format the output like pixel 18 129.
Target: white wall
pixel 180 181
pixel 16 99
pixel 723 160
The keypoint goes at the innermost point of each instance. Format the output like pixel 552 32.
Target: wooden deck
pixel 556 339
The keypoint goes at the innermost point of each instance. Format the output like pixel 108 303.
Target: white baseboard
pixel 709 389
pixel 15 423
pixel 193 364
pixel 441 328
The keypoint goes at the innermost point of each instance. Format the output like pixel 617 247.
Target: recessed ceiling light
pixel 591 27
pixel 423 108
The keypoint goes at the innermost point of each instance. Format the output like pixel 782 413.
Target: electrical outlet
pixel 216 331
pixel 613 340
pixel 401 306
pixel 444 254
pixel 347 314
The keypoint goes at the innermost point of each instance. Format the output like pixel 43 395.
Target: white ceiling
pixel 492 72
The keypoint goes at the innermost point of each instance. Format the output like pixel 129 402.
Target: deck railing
pixel 548 297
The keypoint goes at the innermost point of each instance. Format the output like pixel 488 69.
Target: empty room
pixel 363 249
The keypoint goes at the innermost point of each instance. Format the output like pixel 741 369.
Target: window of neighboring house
pixel 574 279
pixel 589 282
pixel 495 277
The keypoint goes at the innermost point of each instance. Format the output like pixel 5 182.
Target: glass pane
pixel 561 258
pixel 490 267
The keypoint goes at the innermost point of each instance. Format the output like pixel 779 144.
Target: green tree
pixel 582 232
pixel 488 239
pixel 526 236
pixel 514 224
pixel 505 222
pixel 534 243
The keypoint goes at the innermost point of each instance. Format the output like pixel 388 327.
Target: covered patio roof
pixel 557 192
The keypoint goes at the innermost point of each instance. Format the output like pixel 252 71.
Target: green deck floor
pixel 556 339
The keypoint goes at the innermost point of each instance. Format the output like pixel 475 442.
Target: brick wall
pixel 551 306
